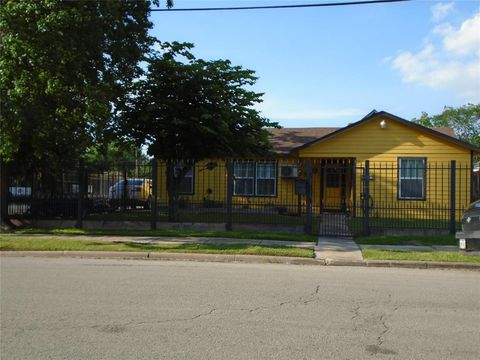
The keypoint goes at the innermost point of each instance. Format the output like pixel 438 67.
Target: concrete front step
pixel 337 249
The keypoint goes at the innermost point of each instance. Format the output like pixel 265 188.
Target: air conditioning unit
pixel 288 171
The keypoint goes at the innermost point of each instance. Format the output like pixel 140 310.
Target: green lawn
pixel 177 233
pixel 407 240
pixel 356 224
pixel 218 216
pixel 446 256
pixel 52 244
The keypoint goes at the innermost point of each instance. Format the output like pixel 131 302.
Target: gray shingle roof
pixel 286 139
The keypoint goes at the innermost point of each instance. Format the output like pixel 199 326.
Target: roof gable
pixel 440 133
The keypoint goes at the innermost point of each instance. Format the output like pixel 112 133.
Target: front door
pixel 333 185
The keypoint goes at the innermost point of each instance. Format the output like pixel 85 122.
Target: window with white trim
pixel 411 178
pixel 244 178
pixel 186 185
pixel 265 179
pixel 255 178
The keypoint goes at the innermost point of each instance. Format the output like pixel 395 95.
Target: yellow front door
pixel 332 196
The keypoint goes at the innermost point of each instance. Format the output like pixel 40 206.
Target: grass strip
pixel 408 240
pixel 53 244
pixel 356 224
pixel 176 233
pixel 445 256
pixel 202 216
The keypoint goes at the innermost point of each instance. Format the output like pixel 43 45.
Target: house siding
pixel 368 141
pixel 384 147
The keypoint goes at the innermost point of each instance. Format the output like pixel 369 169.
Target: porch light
pixel 383 124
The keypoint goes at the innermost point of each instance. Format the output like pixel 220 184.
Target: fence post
pixel 228 224
pixel 366 199
pixel 170 169
pixel 81 193
pixel 354 187
pixel 3 193
pixel 153 223
pixel 453 168
pixel 308 193
pixel 124 189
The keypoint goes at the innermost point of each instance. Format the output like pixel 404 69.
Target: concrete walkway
pixel 171 240
pixel 333 249
pixel 330 249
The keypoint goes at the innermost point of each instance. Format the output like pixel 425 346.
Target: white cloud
pixel 441 10
pixel 452 65
pixel 466 40
pixel 443 29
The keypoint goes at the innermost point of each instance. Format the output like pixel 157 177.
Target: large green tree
pixel 187 109
pixel 464 120
pixel 65 69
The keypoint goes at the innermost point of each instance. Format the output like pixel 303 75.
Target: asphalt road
pixel 115 309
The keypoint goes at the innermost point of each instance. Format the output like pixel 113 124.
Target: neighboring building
pixel 409 170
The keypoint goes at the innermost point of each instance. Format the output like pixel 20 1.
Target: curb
pixel 422 264
pixel 246 259
pixel 123 255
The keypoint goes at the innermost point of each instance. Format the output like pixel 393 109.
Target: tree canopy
pixel 189 108
pixel 464 120
pixel 65 70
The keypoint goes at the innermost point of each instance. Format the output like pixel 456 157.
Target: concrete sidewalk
pixel 345 249
pixel 326 247
pixel 332 249
pixel 171 240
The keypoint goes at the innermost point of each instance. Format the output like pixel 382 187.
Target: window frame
pixel 237 162
pixel 192 168
pixel 255 178
pixel 399 179
pixel 274 163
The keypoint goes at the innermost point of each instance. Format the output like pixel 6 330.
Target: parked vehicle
pixel 469 237
pixel 132 193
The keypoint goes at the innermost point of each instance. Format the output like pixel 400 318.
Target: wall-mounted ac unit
pixel 288 171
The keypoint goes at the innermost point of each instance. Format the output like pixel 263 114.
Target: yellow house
pixel 410 172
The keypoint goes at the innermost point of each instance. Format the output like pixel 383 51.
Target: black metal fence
pixel 411 194
pixel 331 197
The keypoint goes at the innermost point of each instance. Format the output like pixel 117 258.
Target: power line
pixel 331 4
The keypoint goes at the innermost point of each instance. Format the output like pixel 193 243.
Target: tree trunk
pixel 172 193
pixel 5 223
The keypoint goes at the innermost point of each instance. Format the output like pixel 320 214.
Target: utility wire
pixel 345 3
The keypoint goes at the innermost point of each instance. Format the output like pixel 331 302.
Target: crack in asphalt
pixel 118 327
pixel 378 348
pixel 195 317
pixel 356 312
pixel 305 300
pixel 381 337
pixel 313 296
pixel 122 327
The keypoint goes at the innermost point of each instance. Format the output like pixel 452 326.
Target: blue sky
pixel 331 66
